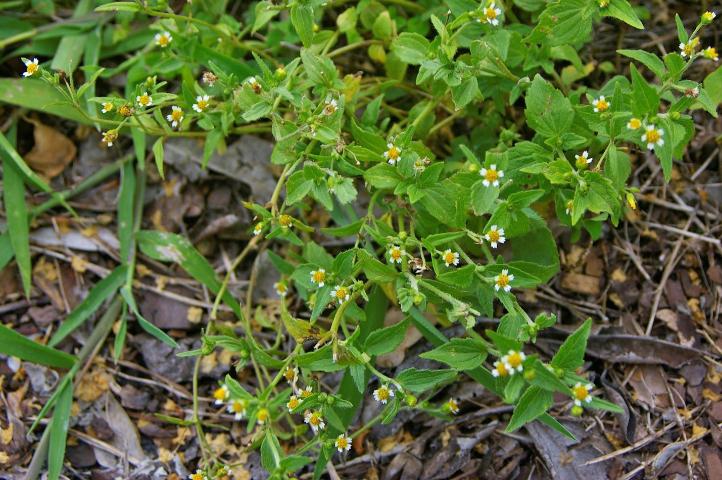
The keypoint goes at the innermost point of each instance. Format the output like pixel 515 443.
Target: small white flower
pixel 221 394
pixel 144 100
pixel 652 136
pixel 711 54
pixel 491 176
pixel 570 204
pixel 253 83
pixel 513 361
pixel 202 103
pixel 503 280
pixel 499 370
pixel 452 406
pixel 343 443
pixel 31 67
pixel 315 421
pixel 199 475
pixel 495 236
pixel 163 39
pixel 396 254
pixel 330 107
pixel 383 394
pixel 341 294
pixel 450 258
pixel 393 153
pixel 237 408
pixel 583 159
pixel 175 117
pixel 306 392
pixel 258 228
pixel 292 403
pixel 107 107
pixel 634 123
pixel 491 14
pixel 318 277
pixel 601 104
pixel 581 393
pixel 281 288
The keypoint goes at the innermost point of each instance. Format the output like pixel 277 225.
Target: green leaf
pixel 169 247
pixel 681 31
pixel 618 167
pixel 713 86
pixel 302 20
pixel 419 381
pixel 645 99
pixel 565 22
pixel 59 431
pixel 156 332
pixel 464 93
pixel 320 70
pixel 386 339
pixel 459 353
pixel 622 10
pixel 411 48
pixel 17 345
pixel 570 355
pixel 548 111
pixel 70 50
pixel 126 210
pixel 98 294
pixel 17 217
pixel 649 60
pixel 533 403
pixel 236 390
pixel 544 378
pixel 271 453
pixel 552 422
pixel 382 176
pixel 159 155
pixel 40 96
pixel 601 404
pixel 375 270
pixel 119 7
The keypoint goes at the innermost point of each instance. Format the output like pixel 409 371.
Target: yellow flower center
pixel 315 419
pixel 342 443
pixel 494 235
pixel 501 369
pixel 32 68
pixel 163 40
pixel 393 153
pixel 490 13
pixel 107 106
pixel 341 293
pixel 570 204
pixel 329 109
pixel 383 393
pixel 144 99
pixel 491 175
pixel 126 111
pixel 452 405
pixel 514 359
pixel 177 115
pixel 290 374
pixel 319 276
pixel 219 394
pixel 602 105
pixel 197 476
pixel 396 253
pixel 293 402
pixel 281 287
pixel 503 280
pixel 653 135
pixel 449 257
pixel 580 392
pixel 710 52
pixel 238 406
pixel 202 104
pixel 263 415
pixel 635 123
pixel 306 393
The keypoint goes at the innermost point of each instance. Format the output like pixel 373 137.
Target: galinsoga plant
pixel 437 141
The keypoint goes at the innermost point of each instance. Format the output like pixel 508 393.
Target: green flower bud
pixel 411 400
pixel 577 411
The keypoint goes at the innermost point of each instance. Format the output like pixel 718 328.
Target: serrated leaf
pixel 459 353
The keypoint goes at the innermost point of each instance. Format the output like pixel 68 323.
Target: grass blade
pixel 145 324
pixel 98 294
pixel 17 216
pixel 168 247
pixel 17 345
pixel 6 250
pixel 40 96
pixel 71 47
pixel 125 210
pixel 59 431
pixel 9 153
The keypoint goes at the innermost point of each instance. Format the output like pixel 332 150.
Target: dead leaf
pixel 580 283
pixel 92 385
pixel 52 151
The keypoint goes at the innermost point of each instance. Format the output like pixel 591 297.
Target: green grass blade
pixel 9 153
pixel 168 247
pixel 17 217
pixel 17 345
pixel 59 431
pixel 98 294
pixel 125 210
pixel 145 324
pixel 71 47
pixel 6 250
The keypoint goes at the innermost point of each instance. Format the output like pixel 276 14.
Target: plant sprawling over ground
pixel 423 150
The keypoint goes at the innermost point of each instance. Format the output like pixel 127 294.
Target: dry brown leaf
pixel 580 283
pixel 6 434
pixel 92 385
pixel 4 458
pixel 195 314
pixel 79 264
pixel 52 151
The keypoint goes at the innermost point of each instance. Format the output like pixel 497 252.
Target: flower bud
pixel 577 411
pixel 411 400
